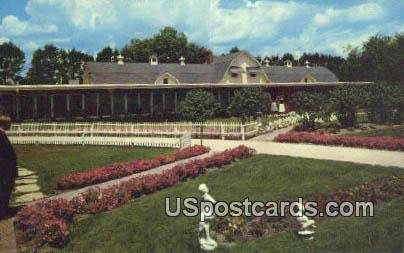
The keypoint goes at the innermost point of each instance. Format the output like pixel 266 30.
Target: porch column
pixel 83 105
pixel 151 103
pixel 163 98
pixel 125 98
pixel 35 106
pixel 175 102
pixel 112 102
pixel 68 104
pixel 98 105
pixel 139 103
pixel 17 113
pixel 52 106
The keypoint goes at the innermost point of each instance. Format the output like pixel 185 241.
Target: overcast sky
pixel 262 27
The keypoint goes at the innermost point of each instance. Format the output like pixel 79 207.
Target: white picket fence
pixel 176 134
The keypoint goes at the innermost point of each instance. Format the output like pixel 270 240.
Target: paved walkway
pixel 8 242
pixel 271 136
pixel 347 154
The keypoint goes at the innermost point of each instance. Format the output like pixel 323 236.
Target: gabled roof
pixel 106 72
pixel 145 73
pixel 283 74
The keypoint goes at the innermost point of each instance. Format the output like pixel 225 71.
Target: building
pixel 119 90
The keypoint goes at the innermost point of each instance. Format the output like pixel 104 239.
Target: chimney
pixel 307 63
pixel 154 60
pixel 120 59
pixel 209 57
pixel 182 61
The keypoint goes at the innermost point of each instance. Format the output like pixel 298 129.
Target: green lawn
pixel 397 131
pixel 51 162
pixel 142 226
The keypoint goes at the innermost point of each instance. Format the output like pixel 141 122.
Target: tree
pixel 345 101
pixel 246 102
pixel 234 50
pixel 137 50
pixel 310 106
pixel 199 106
pixel 106 54
pixel 379 59
pixel 169 45
pixel 48 66
pixel 12 60
pixel 333 63
pixel 75 63
pixel 385 103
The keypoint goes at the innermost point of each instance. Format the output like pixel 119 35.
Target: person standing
pixel 8 165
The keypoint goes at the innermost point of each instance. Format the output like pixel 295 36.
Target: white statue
pixel 306 225
pixel 205 240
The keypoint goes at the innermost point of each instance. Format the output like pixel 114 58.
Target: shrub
pixel 246 102
pixel 379 142
pixel 345 101
pixel 385 103
pixel 310 106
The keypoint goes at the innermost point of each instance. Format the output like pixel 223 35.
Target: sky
pixel 263 27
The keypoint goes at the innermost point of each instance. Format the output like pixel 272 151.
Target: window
pixel 165 81
pixel 234 74
pixel 253 74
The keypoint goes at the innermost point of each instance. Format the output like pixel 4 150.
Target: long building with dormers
pixel 143 91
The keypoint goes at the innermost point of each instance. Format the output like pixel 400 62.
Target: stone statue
pixel 205 240
pixel 306 225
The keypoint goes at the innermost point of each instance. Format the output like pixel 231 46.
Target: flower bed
pixel 117 170
pixel 284 120
pixel 47 222
pixel 379 142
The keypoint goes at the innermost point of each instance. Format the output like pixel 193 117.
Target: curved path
pixel 337 153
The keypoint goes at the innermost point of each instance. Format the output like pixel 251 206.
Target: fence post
pixel 222 130
pixel 242 132
pixel 92 130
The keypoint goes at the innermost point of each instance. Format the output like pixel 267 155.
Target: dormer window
pixel 253 71
pixel 235 71
pixel 165 81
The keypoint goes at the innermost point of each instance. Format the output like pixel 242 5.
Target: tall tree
pixel 169 45
pixel 379 59
pixel 234 50
pixel 333 63
pixel 137 50
pixel 75 63
pixel 12 60
pixel 48 66
pixel 106 54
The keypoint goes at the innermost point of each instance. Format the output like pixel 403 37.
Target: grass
pixel 51 162
pixel 142 226
pixel 397 131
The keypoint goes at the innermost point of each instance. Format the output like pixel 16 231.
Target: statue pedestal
pixel 207 245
